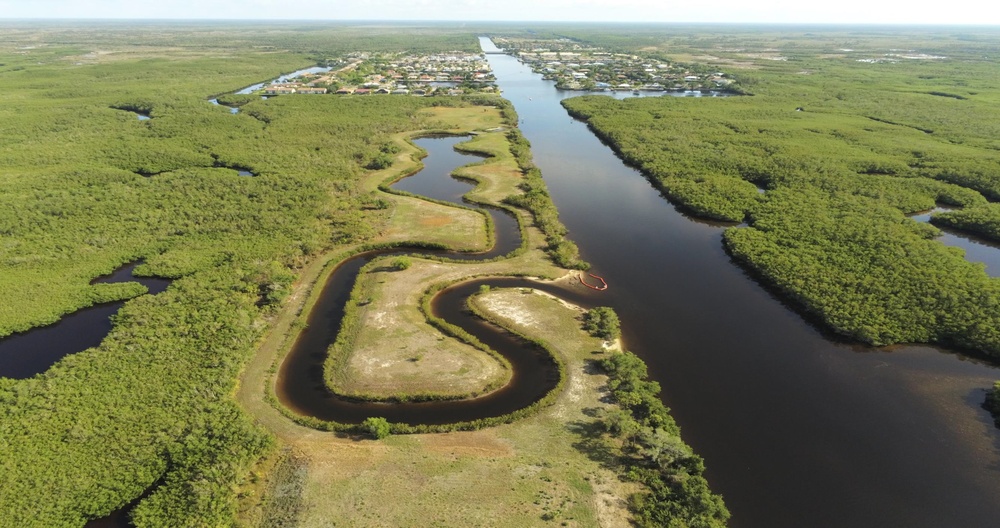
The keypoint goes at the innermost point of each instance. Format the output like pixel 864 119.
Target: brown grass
pixel 436 221
pixel 512 475
pixel 416 219
pixel 462 119
pixel 397 353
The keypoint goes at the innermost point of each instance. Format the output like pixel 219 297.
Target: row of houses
pixel 400 90
pixel 450 73
pixel 390 71
pixel 446 67
pixel 299 88
pixel 293 88
pixel 575 67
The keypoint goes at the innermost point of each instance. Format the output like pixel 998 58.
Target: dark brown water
pixel 26 354
pixel 300 385
pixel 117 519
pixel 797 430
pixel 433 181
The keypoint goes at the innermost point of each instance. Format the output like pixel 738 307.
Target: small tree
pixel 379 162
pixel 377 426
pixel 401 263
pixel 618 422
pixel 602 322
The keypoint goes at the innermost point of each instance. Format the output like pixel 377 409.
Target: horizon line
pixel 539 22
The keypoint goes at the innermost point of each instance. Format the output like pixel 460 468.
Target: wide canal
pixel 797 428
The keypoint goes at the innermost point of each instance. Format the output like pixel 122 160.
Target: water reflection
pixel 797 429
pixel 301 386
pixel 26 354
pixel 977 249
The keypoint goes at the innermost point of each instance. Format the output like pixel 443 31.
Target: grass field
pixel 528 473
pixel 531 473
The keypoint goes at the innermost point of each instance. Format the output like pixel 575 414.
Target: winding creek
pixel 797 429
pixel 282 78
pixel 254 87
pixel 977 249
pixel 300 386
pixel 26 354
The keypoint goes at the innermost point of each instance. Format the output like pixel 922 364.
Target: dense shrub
pixel 535 198
pixel 602 322
pixel 377 427
pixel 86 187
pixel 650 448
pixel 830 230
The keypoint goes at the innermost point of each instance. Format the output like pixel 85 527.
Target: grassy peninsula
pixel 88 186
pixel 554 464
pixel 246 210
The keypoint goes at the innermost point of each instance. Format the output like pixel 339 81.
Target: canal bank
pixel 797 429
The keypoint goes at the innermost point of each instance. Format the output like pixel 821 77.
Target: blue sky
pixel 979 12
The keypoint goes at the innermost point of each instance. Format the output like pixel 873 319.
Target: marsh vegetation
pixel 845 148
pixel 87 187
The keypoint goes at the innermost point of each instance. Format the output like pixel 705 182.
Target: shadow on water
pixel 232 109
pixel 26 354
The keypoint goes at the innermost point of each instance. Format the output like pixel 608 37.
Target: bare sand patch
pixel 535 472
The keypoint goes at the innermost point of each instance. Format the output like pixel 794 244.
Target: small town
pixel 452 73
pixel 577 67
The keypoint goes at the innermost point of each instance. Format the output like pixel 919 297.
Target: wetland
pixel 174 412
pixel 798 427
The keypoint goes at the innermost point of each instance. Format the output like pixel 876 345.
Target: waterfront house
pixel 281 89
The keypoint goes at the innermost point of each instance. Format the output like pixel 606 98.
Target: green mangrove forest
pixel 820 162
pixel 86 187
pixel 111 154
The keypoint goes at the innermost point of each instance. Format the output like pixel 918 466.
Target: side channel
pixel 300 385
pixel 26 354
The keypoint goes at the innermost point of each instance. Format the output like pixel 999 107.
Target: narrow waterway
pixel 26 354
pixel 300 385
pixel 797 429
pixel 977 249
pixel 283 78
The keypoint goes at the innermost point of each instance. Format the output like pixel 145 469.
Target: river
pixel 797 429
